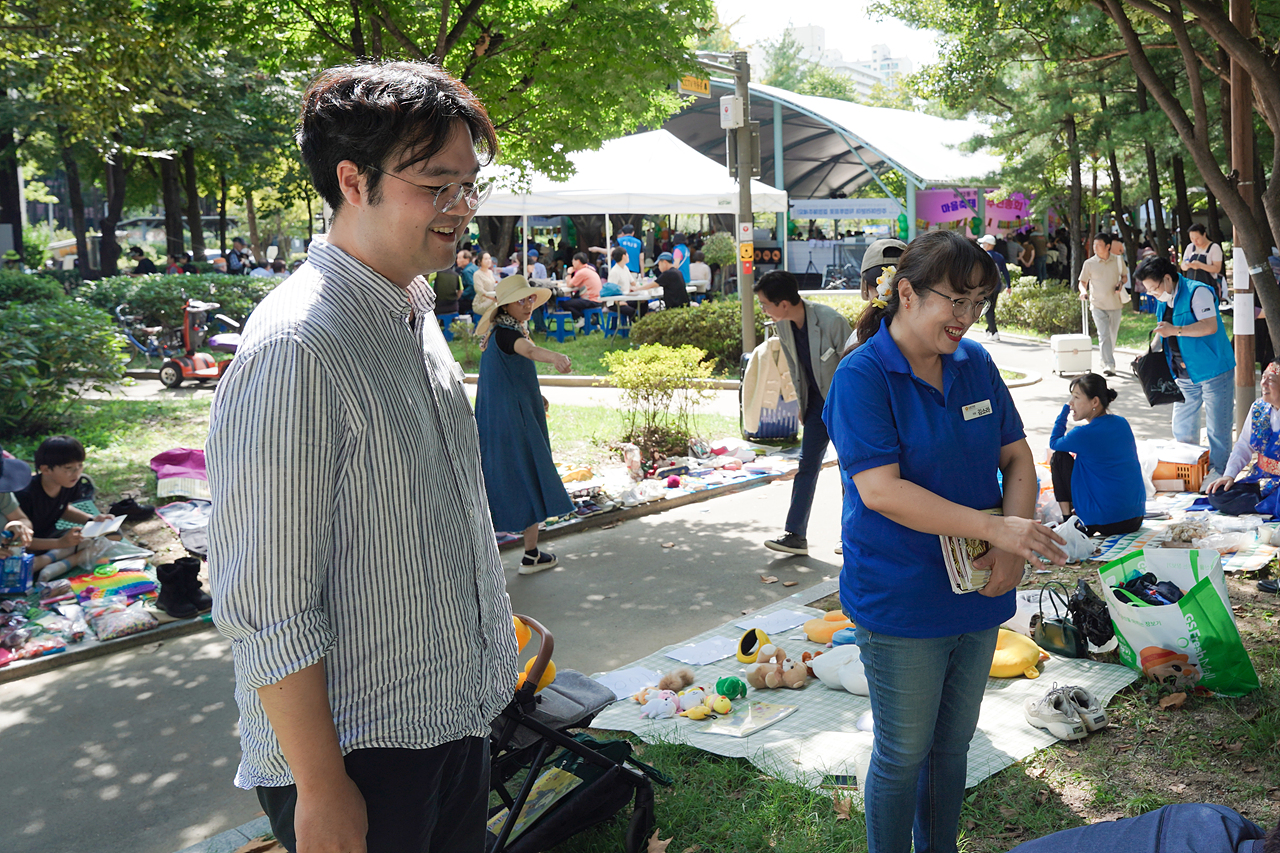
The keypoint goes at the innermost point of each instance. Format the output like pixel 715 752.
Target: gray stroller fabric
pixel 570 699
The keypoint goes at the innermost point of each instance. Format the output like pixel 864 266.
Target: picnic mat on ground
pixel 1154 533
pixel 821 738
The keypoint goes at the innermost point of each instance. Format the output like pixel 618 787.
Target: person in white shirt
pixel 699 272
pixel 1202 259
pixel 621 281
pixel 1101 280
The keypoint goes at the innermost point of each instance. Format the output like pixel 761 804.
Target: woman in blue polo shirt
pixel 923 423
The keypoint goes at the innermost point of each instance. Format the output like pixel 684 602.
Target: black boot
pixel 188 571
pixel 173 592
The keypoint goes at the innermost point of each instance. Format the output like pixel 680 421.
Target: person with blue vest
pixel 635 248
pixel 1102 484
pixel 930 445
pixel 680 255
pixel 1200 357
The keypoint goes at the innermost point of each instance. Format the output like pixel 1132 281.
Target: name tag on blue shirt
pixel 977 410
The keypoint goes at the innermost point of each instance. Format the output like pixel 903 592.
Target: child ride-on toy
pixel 199 366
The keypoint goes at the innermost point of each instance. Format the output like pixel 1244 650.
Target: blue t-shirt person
pixel 878 412
pixel 634 248
pixel 1106 481
pixel 681 254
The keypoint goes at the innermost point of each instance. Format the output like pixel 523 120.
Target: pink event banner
pixel 950 205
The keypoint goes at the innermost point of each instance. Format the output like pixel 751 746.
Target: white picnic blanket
pixel 820 739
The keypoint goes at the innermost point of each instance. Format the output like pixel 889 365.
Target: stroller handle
pixel 546 646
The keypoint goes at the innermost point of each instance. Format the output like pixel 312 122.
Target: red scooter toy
pixel 199 366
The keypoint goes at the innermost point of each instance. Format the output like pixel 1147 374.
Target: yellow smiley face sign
pixel 746 251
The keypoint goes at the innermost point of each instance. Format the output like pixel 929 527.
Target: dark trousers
pixel 991 313
pixel 1060 467
pixel 813 446
pixel 1240 499
pixel 421 800
pixel 577 305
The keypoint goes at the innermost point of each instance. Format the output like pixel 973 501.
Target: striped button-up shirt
pixel 350 520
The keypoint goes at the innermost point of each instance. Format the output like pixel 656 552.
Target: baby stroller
pixel 571 782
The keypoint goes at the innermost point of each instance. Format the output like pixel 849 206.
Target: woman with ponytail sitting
pixel 1103 484
pixel 922 423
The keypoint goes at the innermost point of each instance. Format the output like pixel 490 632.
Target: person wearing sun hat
pixel 520 475
pixel 14 475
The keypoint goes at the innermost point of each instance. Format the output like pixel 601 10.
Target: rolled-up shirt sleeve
pixel 860 420
pixel 272 453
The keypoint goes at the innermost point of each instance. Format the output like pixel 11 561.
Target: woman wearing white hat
pixel 520 476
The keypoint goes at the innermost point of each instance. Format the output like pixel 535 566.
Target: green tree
pixel 826 83
pixel 784 65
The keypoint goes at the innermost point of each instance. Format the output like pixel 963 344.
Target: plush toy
pixel 751 644
pixel 841 669
pixel 780 672
pixel 548 675
pixel 807 659
pixel 644 694
pixel 821 630
pixel 732 687
pixel 717 703
pixel 691 698
pixel 677 679
pixel 698 712
pixel 659 707
pixel 1016 655
pixel 522 633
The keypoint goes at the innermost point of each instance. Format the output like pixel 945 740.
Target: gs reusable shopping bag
pixel 1193 642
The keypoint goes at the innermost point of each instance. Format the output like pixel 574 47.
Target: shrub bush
pixel 713 327
pixel 158 299
pixel 1049 309
pixel 51 352
pixel 656 386
pixel 23 287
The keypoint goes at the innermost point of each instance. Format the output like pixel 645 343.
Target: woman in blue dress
pixel 923 423
pixel 1250 484
pixel 520 476
pixel 1102 484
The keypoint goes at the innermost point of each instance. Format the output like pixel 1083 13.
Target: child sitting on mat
pixel 48 497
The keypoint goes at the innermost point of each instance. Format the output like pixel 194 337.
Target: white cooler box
pixel 1071 353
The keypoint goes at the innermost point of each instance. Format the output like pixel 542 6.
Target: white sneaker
pixel 1209 478
pixel 1091 712
pixel 993 336
pixel 1054 713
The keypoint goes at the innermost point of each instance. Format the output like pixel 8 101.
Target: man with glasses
pixel 352 542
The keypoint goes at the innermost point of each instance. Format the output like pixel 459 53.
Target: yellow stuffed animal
pixel 1016 655
pixel 548 675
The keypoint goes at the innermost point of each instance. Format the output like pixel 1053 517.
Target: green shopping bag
pixel 1193 642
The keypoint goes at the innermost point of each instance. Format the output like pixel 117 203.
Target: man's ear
pixel 351 183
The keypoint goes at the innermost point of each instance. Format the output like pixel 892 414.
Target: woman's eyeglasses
pixel 962 307
pixel 447 197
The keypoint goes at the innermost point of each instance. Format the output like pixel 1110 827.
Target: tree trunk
pixel 1183 236
pixel 497 236
pixel 109 248
pixel 10 194
pixel 357 35
pixel 375 38
pixel 1215 227
pixel 195 222
pixel 1076 203
pixel 249 214
pixel 1153 182
pixel 75 198
pixel 171 196
pixel 590 230
pixel 222 213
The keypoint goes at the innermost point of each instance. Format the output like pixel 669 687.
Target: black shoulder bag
pixel 1152 370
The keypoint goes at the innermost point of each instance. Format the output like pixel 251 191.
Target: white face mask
pixel 1165 297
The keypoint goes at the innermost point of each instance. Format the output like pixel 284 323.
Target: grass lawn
pixel 584 350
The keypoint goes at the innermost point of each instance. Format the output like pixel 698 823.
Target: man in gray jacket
pixel 813 337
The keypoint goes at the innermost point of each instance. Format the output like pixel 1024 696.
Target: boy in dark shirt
pixel 671 282
pixel 48 498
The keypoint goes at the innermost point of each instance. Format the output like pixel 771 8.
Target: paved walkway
pixel 136 751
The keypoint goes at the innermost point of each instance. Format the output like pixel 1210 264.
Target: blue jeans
pixel 925 697
pixel 1219 398
pixel 813 446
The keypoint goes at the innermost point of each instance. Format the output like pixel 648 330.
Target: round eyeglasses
pixel 447 197
pixel 962 307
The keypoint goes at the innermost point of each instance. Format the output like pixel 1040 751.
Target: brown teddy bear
pixel 776 671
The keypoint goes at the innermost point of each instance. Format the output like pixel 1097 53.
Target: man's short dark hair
pixel 136 250
pixel 1155 269
pixel 778 286
pixel 582 256
pixel 618 254
pixel 1198 228
pixel 628 229
pixel 1103 236
pixel 239 240
pixel 391 115
pixel 59 450
pixel 678 239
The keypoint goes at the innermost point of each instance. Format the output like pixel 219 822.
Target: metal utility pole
pixel 735 117
pixel 1242 162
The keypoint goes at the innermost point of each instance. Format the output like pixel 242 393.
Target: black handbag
pixel 1152 370
pixel 1058 634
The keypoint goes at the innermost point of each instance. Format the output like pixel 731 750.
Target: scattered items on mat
pixel 821 630
pixel 750 645
pixel 777 670
pixel 1078 546
pixel 181 471
pixel 732 687
pixel 676 680
pixel 691 698
pixel 661 705
pixel 841 669
pixel 756 716
pixel 1016 655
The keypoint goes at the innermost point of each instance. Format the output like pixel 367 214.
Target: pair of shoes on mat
pixel 539 562
pixel 1067 713
pixel 789 543
pixel 132 510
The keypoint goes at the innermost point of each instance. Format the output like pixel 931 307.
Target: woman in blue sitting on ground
pixel 923 424
pixel 1102 485
pixel 520 476
pixel 1248 486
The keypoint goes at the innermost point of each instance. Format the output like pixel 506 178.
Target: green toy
pixel 731 686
